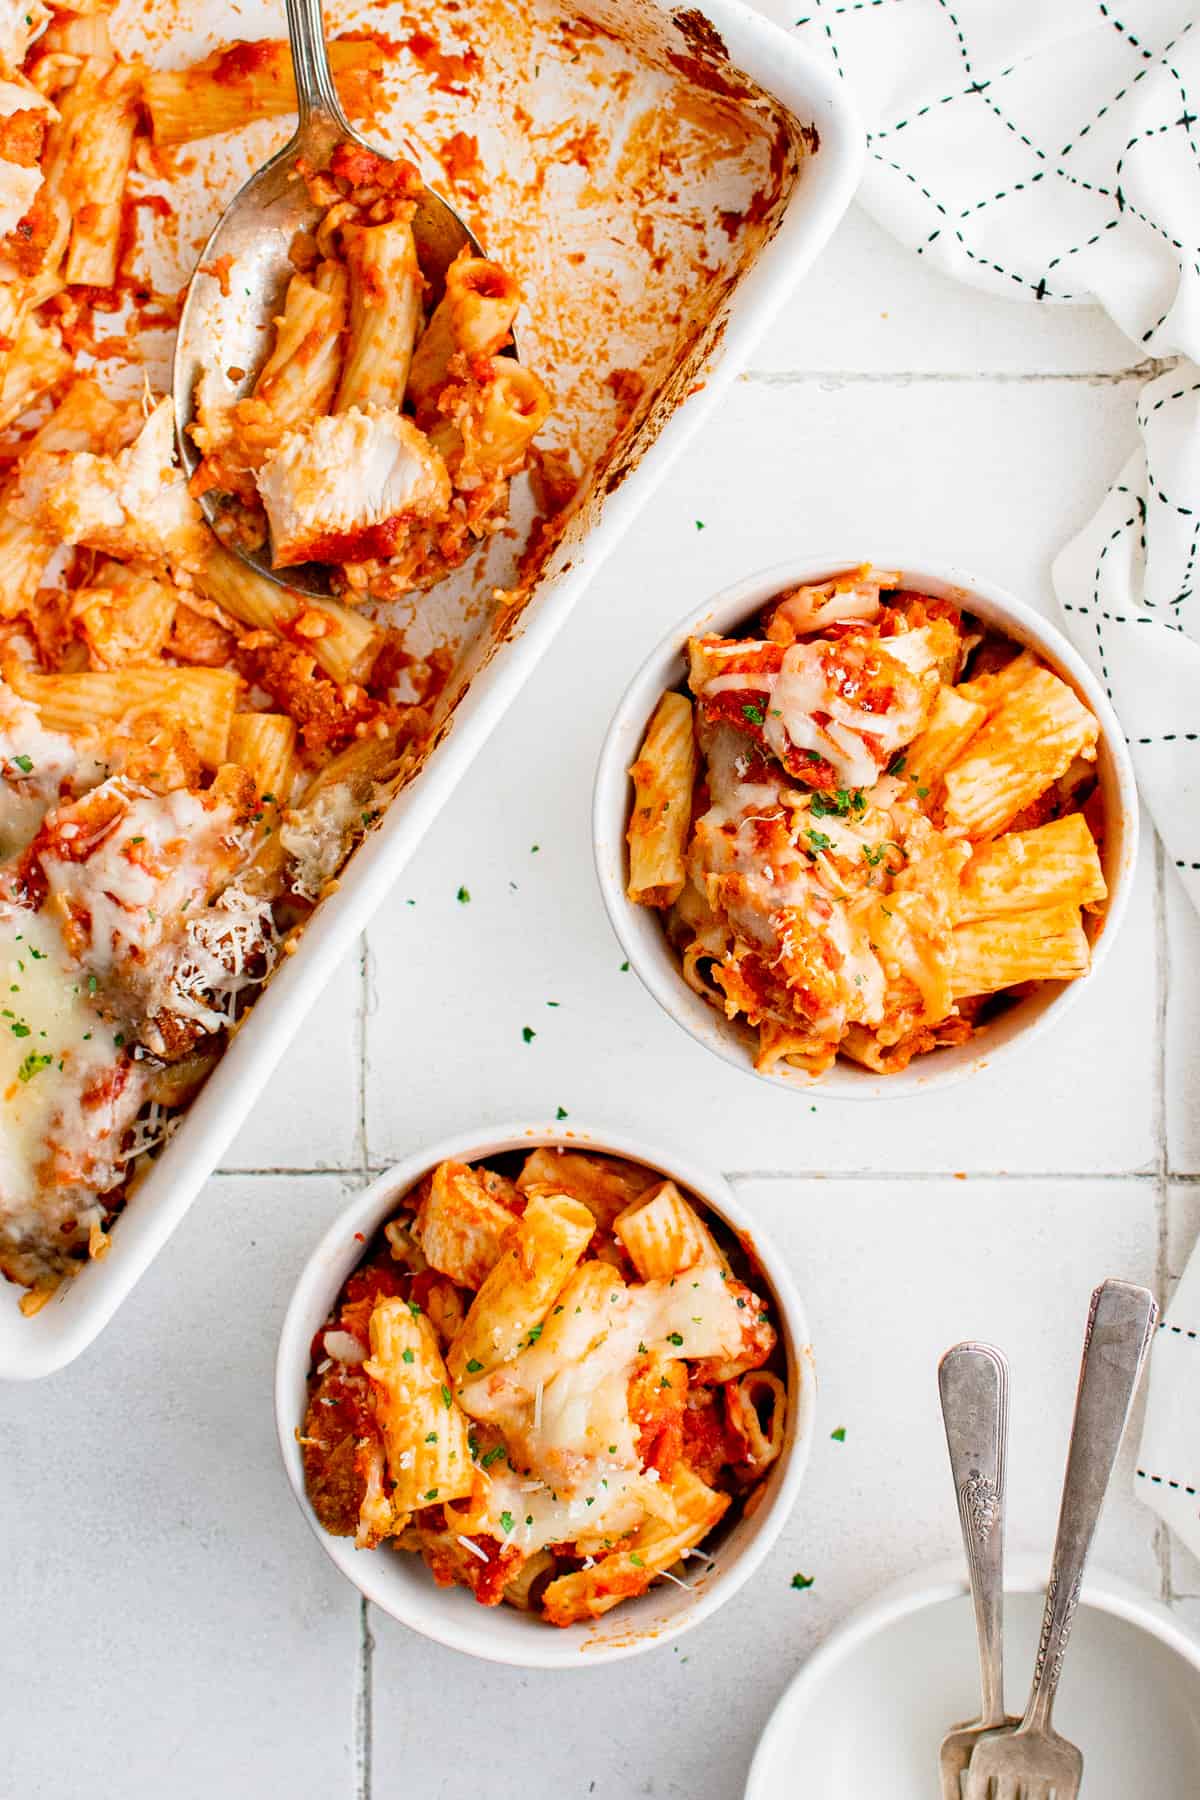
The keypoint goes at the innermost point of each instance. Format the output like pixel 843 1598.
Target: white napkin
pixel 1050 150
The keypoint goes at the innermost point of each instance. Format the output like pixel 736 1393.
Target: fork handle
pixel 973 1383
pixel 316 95
pixel 1119 1328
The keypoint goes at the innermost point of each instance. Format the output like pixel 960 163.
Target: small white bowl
pixel 640 929
pixel 399 1582
pixel 866 1714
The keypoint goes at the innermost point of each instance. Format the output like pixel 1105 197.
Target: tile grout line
pixel 359 1170
pixel 364 1685
pixel 1161 1537
pixel 364 1704
pixel 364 992
pixel 1145 1174
pixel 1145 370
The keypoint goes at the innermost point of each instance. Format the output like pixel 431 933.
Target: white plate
pixel 866 1714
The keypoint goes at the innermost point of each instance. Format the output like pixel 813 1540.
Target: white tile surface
pixel 168 1624
pixel 872 307
pixel 1182 1029
pixel 308 1118
pixel 148 1543
pixel 534 930
pixel 891 1275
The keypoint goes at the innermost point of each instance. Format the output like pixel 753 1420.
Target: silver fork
pixel 973 1383
pixel 1033 1762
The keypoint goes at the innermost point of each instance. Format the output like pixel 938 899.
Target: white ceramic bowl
pixel 640 930
pixel 866 1713
pixel 399 1582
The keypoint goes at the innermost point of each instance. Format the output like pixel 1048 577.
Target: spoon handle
pixel 973 1382
pixel 315 92
pixel 1119 1328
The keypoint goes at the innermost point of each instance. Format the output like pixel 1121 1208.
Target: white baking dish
pixel 491 671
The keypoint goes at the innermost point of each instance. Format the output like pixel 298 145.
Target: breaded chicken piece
pixel 351 486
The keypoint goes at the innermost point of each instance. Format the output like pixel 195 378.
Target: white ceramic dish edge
pixel 1025 1574
pixel 640 932
pixel 399 1583
pixel 35 1347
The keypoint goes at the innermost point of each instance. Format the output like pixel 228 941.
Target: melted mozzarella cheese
pixel 563 1406
pixel 36 767
pixel 162 856
pixel 806 684
pixel 803 688
pixel 318 835
pixel 52 1042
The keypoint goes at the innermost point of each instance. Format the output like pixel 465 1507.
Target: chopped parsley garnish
pixel 447 1396
pixel 463 896
pixel 92 984
pixel 845 800
pixel 534 1335
pixel 636 1560
pixel 407 1356
pixel 485 1462
pixel 561 1113
pixel 431 1493
pixel 663 1381
pixel 675 1337
pixel 33 1065
pixel 642 1350
pixel 755 714
pixel 506 1520
pixel 528 1033
pixel 414 1307
pixel 699 524
pixel 839 1436
pixel 24 763
pixel 431 1438
pixel 802 1581
pixel 922 793
pixel 474 1366
pixel 874 853
pixel 817 839
pixel 19 1028
pixel 624 968
pixel 896 766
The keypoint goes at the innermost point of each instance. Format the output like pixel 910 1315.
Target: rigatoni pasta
pixel 868 824
pixel 630 1397
pixel 372 440
pixel 189 751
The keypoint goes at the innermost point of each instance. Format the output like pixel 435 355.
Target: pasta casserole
pixel 869 823
pixel 320 453
pixel 552 1377
pixel 189 751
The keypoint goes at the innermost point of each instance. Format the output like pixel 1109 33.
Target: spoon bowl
pixel 243 271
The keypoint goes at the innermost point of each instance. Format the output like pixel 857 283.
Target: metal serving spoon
pixel 973 1382
pixel 256 231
